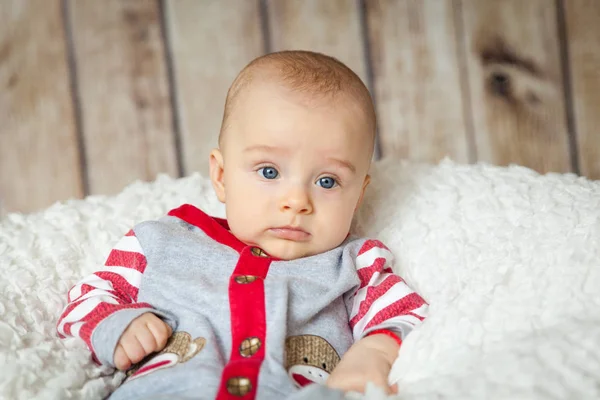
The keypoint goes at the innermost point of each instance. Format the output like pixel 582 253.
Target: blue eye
pixel 268 172
pixel 327 182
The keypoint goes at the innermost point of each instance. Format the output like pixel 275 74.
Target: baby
pixel 278 296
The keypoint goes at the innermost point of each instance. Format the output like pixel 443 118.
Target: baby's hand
pixel 354 375
pixel 146 334
pixel 368 360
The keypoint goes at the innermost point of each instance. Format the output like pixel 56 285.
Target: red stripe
pixel 74 304
pixel 374 293
pixel 420 318
pixel 130 233
pixel 248 319
pixel 365 274
pixel 123 289
pixel 404 306
pixel 127 259
pixel 369 244
pixel 85 288
pixel 123 292
pixel 67 329
pixel 68 310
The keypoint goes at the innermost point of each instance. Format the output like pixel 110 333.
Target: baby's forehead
pixel 274 88
pixel 263 101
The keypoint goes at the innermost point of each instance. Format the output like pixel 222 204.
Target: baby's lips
pixel 294 234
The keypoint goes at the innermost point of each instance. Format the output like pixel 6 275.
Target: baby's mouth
pixel 290 233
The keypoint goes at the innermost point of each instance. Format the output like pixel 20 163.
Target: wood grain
pixel 124 92
pixel 583 41
pixel 39 158
pixel 211 42
pixel 516 83
pixel 417 80
pixel 331 27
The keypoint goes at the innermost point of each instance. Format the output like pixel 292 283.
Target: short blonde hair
pixel 304 72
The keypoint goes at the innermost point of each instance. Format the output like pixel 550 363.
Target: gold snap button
pixel 258 252
pixel 250 346
pixel 239 386
pixel 244 279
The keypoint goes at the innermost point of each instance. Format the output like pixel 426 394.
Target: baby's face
pixel 292 173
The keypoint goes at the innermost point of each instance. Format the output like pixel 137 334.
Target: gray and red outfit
pixel 245 325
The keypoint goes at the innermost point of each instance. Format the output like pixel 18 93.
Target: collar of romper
pixel 216 228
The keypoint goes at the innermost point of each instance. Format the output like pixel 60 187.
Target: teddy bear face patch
pixel 309 359
pixel 179 349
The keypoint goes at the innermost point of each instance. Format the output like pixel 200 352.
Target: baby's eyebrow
pixel 265 148
pixel 273 149
pixel 343 164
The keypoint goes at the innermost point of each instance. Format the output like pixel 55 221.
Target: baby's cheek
pixel 341 218
pixel 241 223
pixel 333 232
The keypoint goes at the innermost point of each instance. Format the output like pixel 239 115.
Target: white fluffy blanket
pixel 509 261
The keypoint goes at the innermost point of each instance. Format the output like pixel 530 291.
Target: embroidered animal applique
pixel 179 349
pixel 309 359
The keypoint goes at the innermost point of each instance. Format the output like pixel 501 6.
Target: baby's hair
pixel 304 72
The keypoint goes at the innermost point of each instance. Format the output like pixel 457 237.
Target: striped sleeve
pixel 383 300
pixel 112 288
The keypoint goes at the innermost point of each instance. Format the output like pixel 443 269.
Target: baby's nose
pixel 297 200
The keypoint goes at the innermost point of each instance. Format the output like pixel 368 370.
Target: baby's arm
pixel 103 305
pixel 383 310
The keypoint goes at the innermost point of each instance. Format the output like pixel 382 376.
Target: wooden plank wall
pixel 39 139
pixel 95 94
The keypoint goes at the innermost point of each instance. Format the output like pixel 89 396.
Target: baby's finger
pixel 394 388
pixel 161 331
pixel 122 362
pixel 133 348
pixel 147 340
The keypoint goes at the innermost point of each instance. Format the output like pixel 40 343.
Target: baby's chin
pixel 290 250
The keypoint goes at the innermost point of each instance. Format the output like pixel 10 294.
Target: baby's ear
pixel 216 173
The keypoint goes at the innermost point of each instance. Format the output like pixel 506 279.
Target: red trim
pixel 387 333
pixel 150 367
pixel 246 301
pixel 248 319
pixel 215 228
